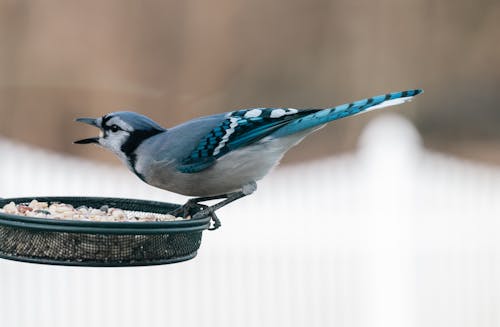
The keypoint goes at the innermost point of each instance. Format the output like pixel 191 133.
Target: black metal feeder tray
pixel 89 243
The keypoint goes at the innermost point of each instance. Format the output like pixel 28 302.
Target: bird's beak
pixel 89 121
pixel 88 141
pixel 92 122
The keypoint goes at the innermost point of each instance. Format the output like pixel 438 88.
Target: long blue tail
pixel 349 109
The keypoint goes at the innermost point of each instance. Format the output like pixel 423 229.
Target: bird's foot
pixel 190 208
pixel 209 211
pixel 193 207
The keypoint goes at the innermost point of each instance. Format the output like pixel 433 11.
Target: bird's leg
pixel 210 210
pixel 194 203
pixel 230 197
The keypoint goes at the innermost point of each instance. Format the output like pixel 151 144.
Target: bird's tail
pixel 349 109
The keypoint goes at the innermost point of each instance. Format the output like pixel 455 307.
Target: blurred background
pixel 176 60
pixel 407 203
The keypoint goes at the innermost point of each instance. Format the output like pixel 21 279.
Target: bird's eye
pixel 114 128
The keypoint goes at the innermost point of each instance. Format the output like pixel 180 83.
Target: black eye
pixel 114 128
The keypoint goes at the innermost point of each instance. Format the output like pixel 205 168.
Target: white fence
pixel 392 235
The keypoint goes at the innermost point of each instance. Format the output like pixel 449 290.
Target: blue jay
pixel 221 156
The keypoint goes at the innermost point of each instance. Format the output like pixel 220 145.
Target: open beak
pixel 89 121
pixel 92 122
pixel 88 141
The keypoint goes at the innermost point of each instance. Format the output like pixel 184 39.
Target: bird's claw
pixel 209 211
pixel 190 208
pixel 197 211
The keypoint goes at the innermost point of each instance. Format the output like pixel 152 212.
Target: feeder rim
pixel 99 227
pixel 100 264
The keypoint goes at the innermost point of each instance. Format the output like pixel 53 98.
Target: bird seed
pixel 62 211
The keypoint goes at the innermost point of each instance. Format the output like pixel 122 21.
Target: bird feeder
pixel 94 243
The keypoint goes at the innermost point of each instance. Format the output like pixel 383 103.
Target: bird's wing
pixel 238 129
pixel 244 127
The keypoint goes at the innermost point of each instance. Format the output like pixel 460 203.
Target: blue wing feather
pixel 345 110
pixel 244 127
pixel 236 131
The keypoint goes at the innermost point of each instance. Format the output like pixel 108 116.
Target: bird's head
pixel 121 132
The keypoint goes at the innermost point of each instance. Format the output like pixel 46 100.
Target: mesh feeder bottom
pixel 89 243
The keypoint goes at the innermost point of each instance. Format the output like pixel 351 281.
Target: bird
pixel 221 156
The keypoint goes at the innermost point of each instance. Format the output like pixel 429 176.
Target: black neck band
pixel 135 139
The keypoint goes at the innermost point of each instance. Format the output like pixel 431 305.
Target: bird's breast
pixel 229 173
